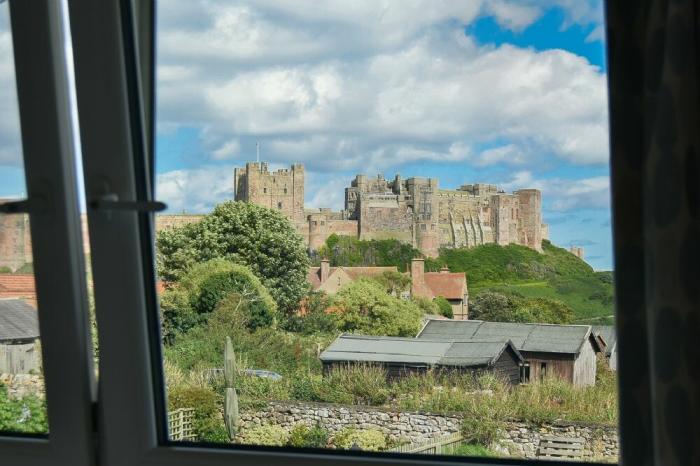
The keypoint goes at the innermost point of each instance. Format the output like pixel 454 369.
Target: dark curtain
pixel 655 134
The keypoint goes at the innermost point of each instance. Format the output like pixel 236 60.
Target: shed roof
pixel 609 335
pixel 545 338
pixel 411 351
pixel 18 320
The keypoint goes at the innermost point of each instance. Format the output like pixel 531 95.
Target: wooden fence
pixel 435 446
pixel 180 425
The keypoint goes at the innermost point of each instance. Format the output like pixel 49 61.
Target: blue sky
pixel 503 92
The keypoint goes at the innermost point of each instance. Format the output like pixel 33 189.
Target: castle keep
pixel 415 210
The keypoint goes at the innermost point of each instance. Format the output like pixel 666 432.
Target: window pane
pixel 343 179
pixel 22 407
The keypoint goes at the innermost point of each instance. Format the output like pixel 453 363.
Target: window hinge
pixel 111 202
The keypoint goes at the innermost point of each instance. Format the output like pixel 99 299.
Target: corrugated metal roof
pixel 18 320
pixel 360 348
pixel 609 336
pixel 546 338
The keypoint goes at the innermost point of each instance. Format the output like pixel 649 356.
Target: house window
pixel 525 373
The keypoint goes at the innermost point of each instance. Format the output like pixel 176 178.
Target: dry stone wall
pixel 518 439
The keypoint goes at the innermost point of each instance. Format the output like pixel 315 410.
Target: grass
pixel 474 450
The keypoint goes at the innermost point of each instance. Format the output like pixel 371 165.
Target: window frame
pixel 57 248
pixel 131 412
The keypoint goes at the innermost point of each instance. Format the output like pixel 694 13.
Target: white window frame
pixel 52 205
pixel 112 80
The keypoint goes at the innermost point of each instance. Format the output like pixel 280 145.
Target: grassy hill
pixel 554 274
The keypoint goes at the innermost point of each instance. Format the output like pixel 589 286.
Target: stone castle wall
pixel 517 439
pixel 282 190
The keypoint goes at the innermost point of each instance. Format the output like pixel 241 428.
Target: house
pixel 609 336
pixel 566 351
pixel 400 356
pixel 331 279
pixel 18 285
pixel 449 285
pixel 19 333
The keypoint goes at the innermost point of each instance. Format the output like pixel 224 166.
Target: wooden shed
pixel 401 356
pixel 566 351
pixel 609 336
pixel 19 333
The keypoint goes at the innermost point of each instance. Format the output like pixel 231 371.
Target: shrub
pixel 359 384
pixel 5 269
pixel 347 251
pixel 444 306
pixel 367 439
pixel 316 319
pixel 427 306
pixel 262 239
pixel 207 421
pixel 365 307
pixel 269 435
pixel 302 436
pixel 26 268
pixel 24 415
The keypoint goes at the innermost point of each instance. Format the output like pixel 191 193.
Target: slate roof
pixel 607 332
pixel 18 321
pixel 411 351
pixel 546 338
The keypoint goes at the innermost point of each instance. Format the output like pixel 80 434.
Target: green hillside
pixel 518 270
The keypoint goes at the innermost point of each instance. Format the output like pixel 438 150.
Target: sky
pixel 505 92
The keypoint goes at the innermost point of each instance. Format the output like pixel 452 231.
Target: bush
pixel 367 439
pixel 444 306
pixel 24 415
pixel 302 436
pixel 365 307
pixel 348 251
pixel 244 233
pixel 316 319
pixel 427 306
pixel 5 269
pixel 207 421
pixel 269 435
pixel 26 268
pixel 357 384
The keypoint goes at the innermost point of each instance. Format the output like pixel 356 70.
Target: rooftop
pixel 607 332
pixel 18 321
pixel 546 338
pixel 371 349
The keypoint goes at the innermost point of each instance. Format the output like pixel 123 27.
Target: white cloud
pixel 597 34
pixel 565 195
pixel 513 15
pixel 195 190
pixel 10 136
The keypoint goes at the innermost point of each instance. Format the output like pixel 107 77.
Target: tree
pixel 394 282
pixel 426 305
pixel 498 307
pixel 205 286
pixel 261 239
pixel 445 307
pixel 349 251
pixel 365 307
pixel 545 310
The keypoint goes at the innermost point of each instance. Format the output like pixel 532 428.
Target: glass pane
pixel 22 406
pixel 345 178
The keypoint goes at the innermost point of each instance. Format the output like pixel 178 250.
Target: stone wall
pixel 21 385
pixel 521 439
pixel 396 425
pixel 518 439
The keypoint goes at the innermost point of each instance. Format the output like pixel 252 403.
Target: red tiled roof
pixel 18 285
pixel 446 284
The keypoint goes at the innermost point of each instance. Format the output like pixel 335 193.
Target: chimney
pixel 444 269
pixel 417 279
pixel 325 270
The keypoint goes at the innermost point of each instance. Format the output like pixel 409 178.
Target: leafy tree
pixel 426 305
pixel 445 307
pixel 365 307
pixel 205 286
pixel 347 251
pixel 394 282
pixel 316 318
pixel 261 239
pixel 498 307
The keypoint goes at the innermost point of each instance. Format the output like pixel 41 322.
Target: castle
pixel 415 210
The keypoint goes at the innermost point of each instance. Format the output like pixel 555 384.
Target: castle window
pixel 279 205
pixel 265 190
pixel 285 190
pixel 422 227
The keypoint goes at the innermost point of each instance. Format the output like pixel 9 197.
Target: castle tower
pixel 282 190
pixel 15 240
pixel 530 205
pixel 318 230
